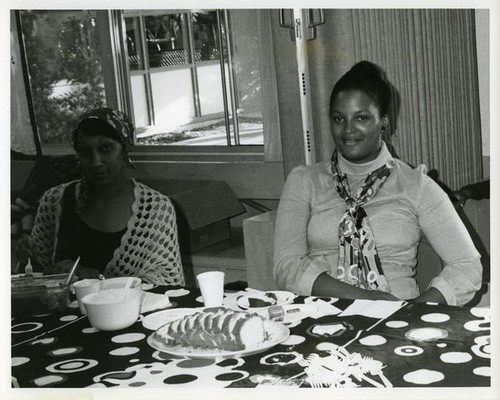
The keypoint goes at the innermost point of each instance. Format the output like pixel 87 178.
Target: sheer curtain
pixel 430 57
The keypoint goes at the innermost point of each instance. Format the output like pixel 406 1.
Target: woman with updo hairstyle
pixel 116 225
pixel 350 227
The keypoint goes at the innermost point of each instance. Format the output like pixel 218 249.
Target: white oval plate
pixel 283 297
pixel 277 333
pixel 155 320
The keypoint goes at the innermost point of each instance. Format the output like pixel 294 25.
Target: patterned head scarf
pixel 122 127
pixel 359 263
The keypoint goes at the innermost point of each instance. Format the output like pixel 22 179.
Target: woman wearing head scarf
pixel 116 225
pixel 350 227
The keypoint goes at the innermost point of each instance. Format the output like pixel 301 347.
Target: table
pixel 68 353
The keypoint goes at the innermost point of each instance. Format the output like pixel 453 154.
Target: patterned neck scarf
pixel 359 263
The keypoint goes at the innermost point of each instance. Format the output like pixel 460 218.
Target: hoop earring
pixel 127 161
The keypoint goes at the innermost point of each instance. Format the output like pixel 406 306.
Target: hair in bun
pixel 369 79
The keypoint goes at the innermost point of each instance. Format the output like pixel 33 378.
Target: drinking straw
pixel 68 280
pixel 127 286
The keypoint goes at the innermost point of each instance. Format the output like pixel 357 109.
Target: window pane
pixel 173 107
pixel 247 64
pixel 138 86
pixel 210 89
pixel 63 55
pixel 134 44
pixel 205 35
pixel 167 40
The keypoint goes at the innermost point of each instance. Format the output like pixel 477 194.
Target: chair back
pixel 258 235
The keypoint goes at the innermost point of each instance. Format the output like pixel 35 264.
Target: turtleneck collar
pixel 350 168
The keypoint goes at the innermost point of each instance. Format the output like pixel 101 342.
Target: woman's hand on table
pixel 325 285
pixel 23 249
pixel 378 295
pixel 432 295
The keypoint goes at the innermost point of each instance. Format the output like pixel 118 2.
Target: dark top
pixel 76 238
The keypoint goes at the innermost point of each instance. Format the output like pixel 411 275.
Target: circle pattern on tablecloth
pixel 49 380
pixel 90 330
pixel 481 347
pixel 480 312
pixel 455 357
pixel 73 304
pixel 124 351
pixel 67 318
pixel 408 351
pixel 26 327
pixel 264 379
pixel 19 361
pixel 327 346
pixel 373 340
pixel 482 371
pixel 195 363
pixel 128 337
pixel 423 376
pixel 313 299
pixel 230 362
pixel 435 317
pixel 40 315
pixel 396 324
pixel 426 334
pixel 230 376
pixel 64 351
pixel 45 341
pixel 293 340
pixel 72 366
pixel 281 358
pixel 179 372
pixel 329 330
pixel 180 379
pixel 478 325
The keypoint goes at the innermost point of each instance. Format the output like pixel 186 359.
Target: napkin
pixel 154 301
pixel 324 308
pixel 373 308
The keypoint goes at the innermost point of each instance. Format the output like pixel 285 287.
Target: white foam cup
pixel 83 288
pixel 212 288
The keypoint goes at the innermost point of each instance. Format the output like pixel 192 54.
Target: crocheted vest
pixel 149 249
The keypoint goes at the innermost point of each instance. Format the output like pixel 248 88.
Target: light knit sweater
pixel 148 249
pixel 408 205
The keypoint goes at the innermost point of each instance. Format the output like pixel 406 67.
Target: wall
pixel 483 52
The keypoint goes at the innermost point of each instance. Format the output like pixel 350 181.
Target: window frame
pixel 118 95
pixel 123 84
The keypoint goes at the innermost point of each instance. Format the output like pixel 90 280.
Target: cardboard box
pixel 203 210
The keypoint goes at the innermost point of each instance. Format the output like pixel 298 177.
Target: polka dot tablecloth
pixel 420 345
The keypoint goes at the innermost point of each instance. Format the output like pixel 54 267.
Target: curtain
pixel 430 57
pixel 21 131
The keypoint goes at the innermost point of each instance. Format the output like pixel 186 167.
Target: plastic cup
pixel 212 288
pixel 83 288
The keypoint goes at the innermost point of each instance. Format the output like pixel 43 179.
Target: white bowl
pixel 113 309
pixel 121 282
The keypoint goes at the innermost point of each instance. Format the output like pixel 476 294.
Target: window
pixel 64 64
pixel 191 78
